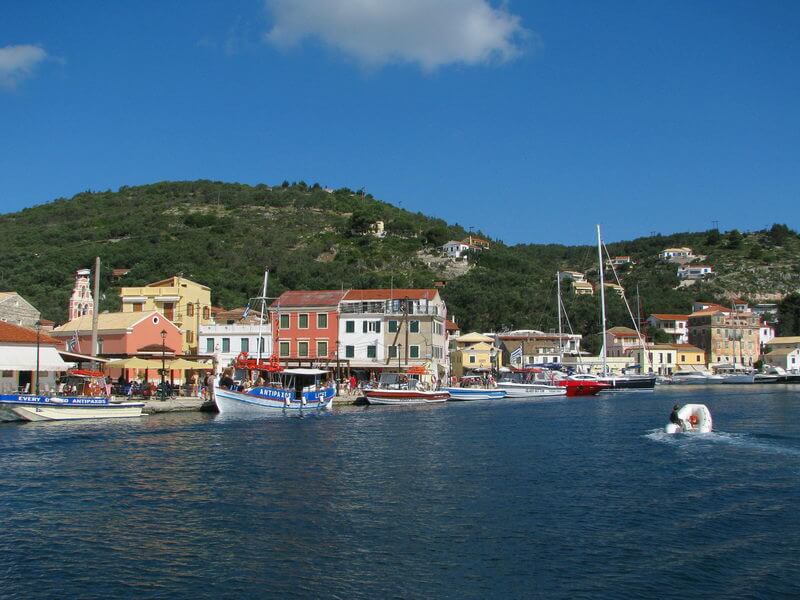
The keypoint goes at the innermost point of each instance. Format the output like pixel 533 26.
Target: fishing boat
pixel 402 389
pixel 528 383
pixel 287 391
pixel 82 396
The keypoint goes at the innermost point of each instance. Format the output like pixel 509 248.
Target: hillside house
pixel 694 272
pixel 676 326
pixel 678 255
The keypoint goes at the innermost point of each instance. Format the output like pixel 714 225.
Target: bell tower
pixel 81 302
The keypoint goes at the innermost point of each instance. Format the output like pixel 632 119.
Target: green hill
pixel 223 235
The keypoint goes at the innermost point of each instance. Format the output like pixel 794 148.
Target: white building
pixel 766 333
pixel 786 358
pixel 692 272
pixel 682 254
pixel 233 333
pixel 455 249
pixel 674 325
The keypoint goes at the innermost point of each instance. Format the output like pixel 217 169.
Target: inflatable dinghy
pixel 695 417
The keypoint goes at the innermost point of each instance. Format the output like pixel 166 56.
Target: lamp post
pixel 38 332
pixel 163 365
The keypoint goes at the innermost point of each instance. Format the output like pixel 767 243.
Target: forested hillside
pixel 223 235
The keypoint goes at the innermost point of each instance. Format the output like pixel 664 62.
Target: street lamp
pixel 38 333
pixel 163 365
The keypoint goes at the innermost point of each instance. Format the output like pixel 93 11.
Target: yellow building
pixel 186 303
pixel 473 351
pixel 689 358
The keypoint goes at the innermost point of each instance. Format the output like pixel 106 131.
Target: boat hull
pixel 271 400
pixel 623 384
pixel 737 379
pixel 582 388
pixel 465 394
pixel 46 408
pixel 521 390
pixel 405 397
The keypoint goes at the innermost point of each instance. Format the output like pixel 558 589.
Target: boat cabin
pixel 80 382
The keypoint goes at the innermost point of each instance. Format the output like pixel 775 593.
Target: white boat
pixel 402 389
pixel 289 391
pixel 695 418
pixel 474 393
pixel 524 383
pixel 695 378
pixel 735 374
pixel 55 408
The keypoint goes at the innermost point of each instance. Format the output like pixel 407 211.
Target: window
pixel 392 351
pixel 413 351
pixel 302 321
pixel 245 344
pixel 190 310
pixel 209 344
pixel 683 358
pixel 206 313
pixel 262 345
pixel 371 327
pixel 136 308
pixel 322 349
pixel 471 358
pixel 189 336
pixel 283 349
pixel 698 358
pixel 322 321
pixel 302 349
pixel 284 322
pixel 349 326
pixel 414 327
pixel 349 351
pixel 226 344
pixel 392 326
pixel 372 351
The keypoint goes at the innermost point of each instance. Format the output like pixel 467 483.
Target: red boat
pixel 582 387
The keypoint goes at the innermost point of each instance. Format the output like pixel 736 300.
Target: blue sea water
pixel 572 498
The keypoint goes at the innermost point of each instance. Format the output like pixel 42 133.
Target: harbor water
pixel 569 498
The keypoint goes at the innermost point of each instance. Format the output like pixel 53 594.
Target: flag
pixel 246 311
pixel 72 344
pixel 516 355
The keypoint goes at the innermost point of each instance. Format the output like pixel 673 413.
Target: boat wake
pixel 760 442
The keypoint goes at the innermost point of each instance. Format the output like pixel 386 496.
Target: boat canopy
pixel 304 372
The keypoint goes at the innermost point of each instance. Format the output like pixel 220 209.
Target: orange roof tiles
pixel 14 334
pixel 301 298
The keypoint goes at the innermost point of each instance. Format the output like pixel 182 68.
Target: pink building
pixel 305 325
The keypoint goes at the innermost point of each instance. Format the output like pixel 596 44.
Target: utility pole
pixel 96 311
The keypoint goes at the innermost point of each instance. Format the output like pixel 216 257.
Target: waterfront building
pixel 766 333
pixel 233 332
pixel 621 340
pixel 676 326
pixel 16 310
pixel 186 303
pixel 81 301
pixel 689 358
pixel 792 341
pixel 18 357
pixel 305 327
pixel 474 351
pixel 786 358
pixel 121 334
pixel 661 359
pixel 537 347
pixel 727 337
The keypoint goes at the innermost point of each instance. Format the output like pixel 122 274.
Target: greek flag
pixel 246 311
pixel 516 355
pixel 72 344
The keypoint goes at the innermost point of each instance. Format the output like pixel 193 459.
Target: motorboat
pixel 615 383
pixel 286 391
pixel 695 418
pixel 735 374
pixel 82 395
pixel 768 378
pixel 472 387
pixel 695 378
pixel 403 389
pixel 528 383
pixel 582 387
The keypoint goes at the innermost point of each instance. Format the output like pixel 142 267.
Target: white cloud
pixel 431 33
pixel 18 62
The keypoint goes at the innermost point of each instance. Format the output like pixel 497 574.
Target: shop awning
pixel 23 358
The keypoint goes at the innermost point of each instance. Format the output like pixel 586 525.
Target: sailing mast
pixel 261 320
pixel 558 301
pixel 602 298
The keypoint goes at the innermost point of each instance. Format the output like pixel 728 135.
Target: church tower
pixel 81 302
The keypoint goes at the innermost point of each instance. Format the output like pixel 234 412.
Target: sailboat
pixel 284 391
pixel 619 382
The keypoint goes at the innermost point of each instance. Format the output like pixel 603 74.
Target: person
pixel 353 383
pixel 226 381
pixel 673 416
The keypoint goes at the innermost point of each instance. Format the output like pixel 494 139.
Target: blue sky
pixel 531 121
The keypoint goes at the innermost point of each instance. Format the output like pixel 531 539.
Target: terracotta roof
pixel 106 321
pixel 297 298
pixel 391 294
pixel 451 326
pixel 14 334
pixel 622 332
pixel 666 317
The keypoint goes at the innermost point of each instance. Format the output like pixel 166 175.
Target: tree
pixel 789 315
pixel 713 237
pixel 660 336
pixel 779 233
pixel 734 239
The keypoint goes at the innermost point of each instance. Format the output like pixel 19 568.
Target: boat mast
pixel 261 320
pixel 602 298
pixel 558 301
pixel 95 313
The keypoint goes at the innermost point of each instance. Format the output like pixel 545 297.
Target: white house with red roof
pixel 675 325
pixel 19 349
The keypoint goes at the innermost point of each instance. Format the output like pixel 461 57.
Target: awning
pixel 181 364
pixel 23 358
pixel 133 363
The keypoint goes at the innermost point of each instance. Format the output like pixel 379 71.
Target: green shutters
pixel 350 326
pixel 392 326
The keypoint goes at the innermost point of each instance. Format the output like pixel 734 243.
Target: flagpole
pixel 261 321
